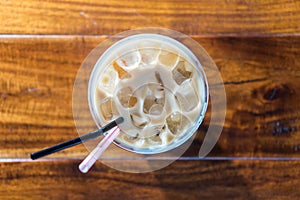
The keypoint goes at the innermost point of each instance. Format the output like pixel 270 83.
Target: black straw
pixel 75 141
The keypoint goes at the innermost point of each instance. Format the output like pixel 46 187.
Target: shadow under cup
pixel 135 52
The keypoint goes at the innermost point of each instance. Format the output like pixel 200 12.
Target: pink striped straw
pixel 89 161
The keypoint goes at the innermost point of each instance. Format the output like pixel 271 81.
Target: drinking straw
pixel 75 141
pixel 89 161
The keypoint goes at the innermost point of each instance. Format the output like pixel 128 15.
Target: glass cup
pixel 157 84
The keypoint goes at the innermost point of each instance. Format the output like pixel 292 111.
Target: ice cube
pixel 138 120
pixel 126 98
pixel 186 97
pixel 166 137
pixel 154 140
pixel 141 143
pixel 108 108
pixel 151 130
pixel 100 95
pixel 177 123
pixel 130 136
pixel 108 80
pixel 149 55
pixel 155 99
pixel 149 101
pixel 168 58
pixel 156 109
pixel 123 74
pixel 153 105
pixel 182 72
pixel 149 51
pixel 130 60
pixel 157 138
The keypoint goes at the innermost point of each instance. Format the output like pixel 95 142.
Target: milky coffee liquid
pixel 155 86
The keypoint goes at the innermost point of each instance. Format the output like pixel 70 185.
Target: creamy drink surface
pixel 155 86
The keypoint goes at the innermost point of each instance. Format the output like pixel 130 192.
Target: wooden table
pixel 256 46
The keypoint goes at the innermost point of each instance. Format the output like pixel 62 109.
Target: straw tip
pixel 32 156
pixel 119 120
pixel 83 168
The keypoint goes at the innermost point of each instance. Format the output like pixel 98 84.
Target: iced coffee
pixel 156 84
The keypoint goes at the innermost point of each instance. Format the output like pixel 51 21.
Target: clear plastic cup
pixel 133 62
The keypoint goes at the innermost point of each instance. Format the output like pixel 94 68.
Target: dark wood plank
pixel 196 17
pixel 261 78
pixel 181 180
pixel 37 77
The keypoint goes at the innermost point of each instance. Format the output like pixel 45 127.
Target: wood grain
pixel 262 88
pixel 181 180
pixel 261 76
pixel 256 46
pixel 196 17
